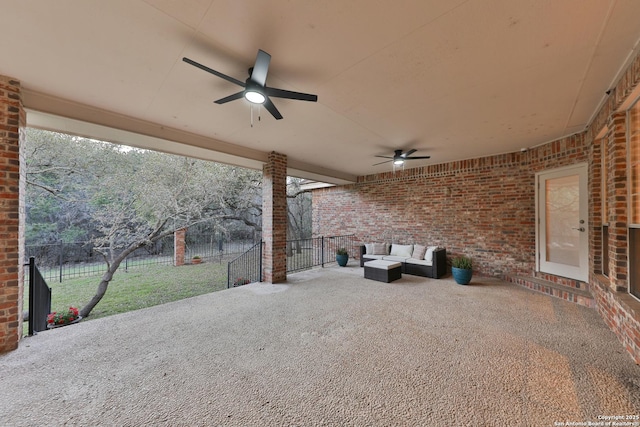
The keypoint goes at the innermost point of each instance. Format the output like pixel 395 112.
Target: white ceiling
pixel 454 79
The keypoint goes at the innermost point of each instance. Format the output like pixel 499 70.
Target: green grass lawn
pixel 139 287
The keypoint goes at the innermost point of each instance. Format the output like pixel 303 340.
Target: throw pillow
pixel 402 250
pixel 428 256
pixel 419 251
pixel 368 248
pixel 380 249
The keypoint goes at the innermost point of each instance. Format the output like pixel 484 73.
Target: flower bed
pixel 63 318
pixel 240 281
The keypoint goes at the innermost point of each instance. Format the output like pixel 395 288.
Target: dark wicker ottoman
pixel 382 271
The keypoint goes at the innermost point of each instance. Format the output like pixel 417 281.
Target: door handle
pixel 578 228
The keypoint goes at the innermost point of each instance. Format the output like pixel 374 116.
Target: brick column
pixel 595 207
pixel 179 246
pixel 12 178
pixel 274 218
pixel 617 200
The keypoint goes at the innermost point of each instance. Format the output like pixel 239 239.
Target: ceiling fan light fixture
pixel 254 97
pixel 398 162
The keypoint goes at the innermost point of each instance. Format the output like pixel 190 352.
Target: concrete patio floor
pixel 330 348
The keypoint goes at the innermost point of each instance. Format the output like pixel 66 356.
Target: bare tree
pixel 136 197
pixel 298 215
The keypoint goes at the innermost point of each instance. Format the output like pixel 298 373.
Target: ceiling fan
pixel 255 88
pixel 399 157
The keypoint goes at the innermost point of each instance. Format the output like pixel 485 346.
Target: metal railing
pixel 62 261
pixel 303 254
pixel 246 268
pixel 39 299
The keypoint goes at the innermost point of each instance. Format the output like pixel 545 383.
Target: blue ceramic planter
pixel 461 276
pixel 342 260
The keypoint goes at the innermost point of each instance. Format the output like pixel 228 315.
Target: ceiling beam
pixel 57 114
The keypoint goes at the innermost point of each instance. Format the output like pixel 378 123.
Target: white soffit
pixel 52 122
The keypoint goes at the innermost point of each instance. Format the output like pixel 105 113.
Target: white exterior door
pixel 562 217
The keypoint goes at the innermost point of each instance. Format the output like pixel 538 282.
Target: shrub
pixel 241 281
pixel 63 317
pixel 342 251
pixel 462 262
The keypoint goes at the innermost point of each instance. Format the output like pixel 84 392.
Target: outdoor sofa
pixel 418 260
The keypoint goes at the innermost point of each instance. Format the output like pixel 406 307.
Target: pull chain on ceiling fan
pixel 259 116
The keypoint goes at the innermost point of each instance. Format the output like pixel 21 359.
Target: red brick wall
pixel 12 120
pixel 616 146
pixel 595 205
pixel 274 218
pixel 484 208
pixel 620 311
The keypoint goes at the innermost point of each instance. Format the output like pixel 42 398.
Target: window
pixel 633 135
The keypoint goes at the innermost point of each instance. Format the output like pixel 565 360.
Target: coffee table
pixel 382 271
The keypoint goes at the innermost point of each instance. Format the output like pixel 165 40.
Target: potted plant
pixel 461 268
pixel 196 259
pixel 342 257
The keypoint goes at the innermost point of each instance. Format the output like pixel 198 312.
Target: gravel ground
pixel 329 348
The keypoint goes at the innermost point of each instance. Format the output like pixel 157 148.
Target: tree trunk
pixel 102 287
pixel 113 266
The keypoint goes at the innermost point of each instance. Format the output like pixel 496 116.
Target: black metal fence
pixel 39 299
pixel 63 260
pixel 302 254
pixel 212 247
pixel 66 260
pixel 246 268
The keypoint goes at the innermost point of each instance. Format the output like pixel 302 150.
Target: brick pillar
pixel 595 207
pixel 274 218
pixel 12 178
pixel 179 246
pixel 616 141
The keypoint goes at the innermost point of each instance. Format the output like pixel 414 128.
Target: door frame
pixel 581 168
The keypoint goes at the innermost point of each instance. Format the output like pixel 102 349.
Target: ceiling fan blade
pixel 384 157
pixel 230 98
pixel 281 93
pixel 386 161
pixel 408 153
pixel 214 72
pixel 272 109
pixel 417 157
pixel 261 68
